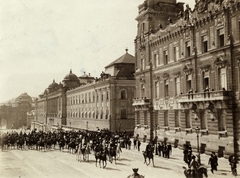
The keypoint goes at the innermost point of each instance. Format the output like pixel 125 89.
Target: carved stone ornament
pixel 205 68
pixel 165 76
pixel 220 62
pixel 187 69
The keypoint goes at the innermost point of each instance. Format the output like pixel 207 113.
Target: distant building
pixel 13 113
pixel 88 103
pixel 187 74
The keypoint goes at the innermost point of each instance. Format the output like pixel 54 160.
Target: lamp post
pixel 197 132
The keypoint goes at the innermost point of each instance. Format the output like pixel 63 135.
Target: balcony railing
pixel 141 101
pixel 205 96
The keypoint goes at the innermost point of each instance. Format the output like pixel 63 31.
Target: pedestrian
pixel 160 149
pixel 135 143
pixel 138 144
pixel 169 150
pixel 129 144
pixel 233 163
pixel 212 163
pixel 156 148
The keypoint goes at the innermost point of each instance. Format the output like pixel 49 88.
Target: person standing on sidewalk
pixel 213 162
pixel 138 145
pixel 233 163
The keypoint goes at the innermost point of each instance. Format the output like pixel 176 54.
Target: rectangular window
pixel 177 86
pixel 203 119
pixel 166 83
pixel 188 49
pixel 176 116
pixel 123 114
pixel 145 117
pixel 165 118
pixel 143 90
pixel 138 117
pixel 189 82
pixel 220 33
pixel 221 120
pixel 223 78
pixel 176 53
pixel 166 57
pixel 204 44
pixel 188 119
pixel 142 64
pixel 156 60
pixel 205 80
pixel 157 89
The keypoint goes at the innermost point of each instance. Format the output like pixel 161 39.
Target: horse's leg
pixel 153 162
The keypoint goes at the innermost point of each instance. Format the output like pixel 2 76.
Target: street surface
pixel 55 164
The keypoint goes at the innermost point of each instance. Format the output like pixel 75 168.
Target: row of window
pixel 220 116
pixel 92 114
pixel 177 83
pixel 90 97
pixel 172 53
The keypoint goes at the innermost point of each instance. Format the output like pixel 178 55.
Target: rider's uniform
pixel 194 166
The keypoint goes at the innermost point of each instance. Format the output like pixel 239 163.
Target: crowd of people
pixel 46 141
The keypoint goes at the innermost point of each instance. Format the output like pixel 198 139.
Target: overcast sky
pixel 41 40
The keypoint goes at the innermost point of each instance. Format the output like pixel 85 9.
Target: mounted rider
pixel 194 165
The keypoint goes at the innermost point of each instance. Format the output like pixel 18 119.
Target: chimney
pixel 89 74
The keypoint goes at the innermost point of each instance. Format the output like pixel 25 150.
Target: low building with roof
pixel 13 113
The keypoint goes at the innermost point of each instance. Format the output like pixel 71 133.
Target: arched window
pixel 123 94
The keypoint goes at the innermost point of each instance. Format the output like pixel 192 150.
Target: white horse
pixel 118 150
pixel 83 152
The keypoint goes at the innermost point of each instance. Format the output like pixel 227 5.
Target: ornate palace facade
pixel 187 74
pixel 91 104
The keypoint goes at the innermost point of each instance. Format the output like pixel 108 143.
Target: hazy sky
pixel 41 40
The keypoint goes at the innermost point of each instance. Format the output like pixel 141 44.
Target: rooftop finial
pixel 126 50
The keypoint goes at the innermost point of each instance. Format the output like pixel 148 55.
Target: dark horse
pixel 201 171
pixel 102 157
pixel 112 154
pixel 148 155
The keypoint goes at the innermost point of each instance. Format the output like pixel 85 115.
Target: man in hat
pixel 135 174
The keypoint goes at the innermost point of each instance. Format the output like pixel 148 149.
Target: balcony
pixel 141 102
pixel 205 96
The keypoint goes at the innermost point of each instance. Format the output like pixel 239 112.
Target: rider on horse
pixel 194 165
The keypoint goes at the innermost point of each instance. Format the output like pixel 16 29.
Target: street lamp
pixel 197 132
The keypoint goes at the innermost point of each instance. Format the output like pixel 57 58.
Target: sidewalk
pixel 224 169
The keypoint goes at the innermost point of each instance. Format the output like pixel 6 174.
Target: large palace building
pixel 90 103
pixel 187 74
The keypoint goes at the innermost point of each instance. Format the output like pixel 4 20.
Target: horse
pixel 61 144
pixel 84 150
pixel 118 150
pixel 20 143
pixel 201 171
pixel 148 155
pixel 41 145
pixel 72 147
pixel 112 153
pixel 102 157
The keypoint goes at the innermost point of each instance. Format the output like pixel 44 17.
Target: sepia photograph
pixel 119 88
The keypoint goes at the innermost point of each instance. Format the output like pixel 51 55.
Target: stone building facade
pixel 187 74
pixel 90 103
pixel 13 114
